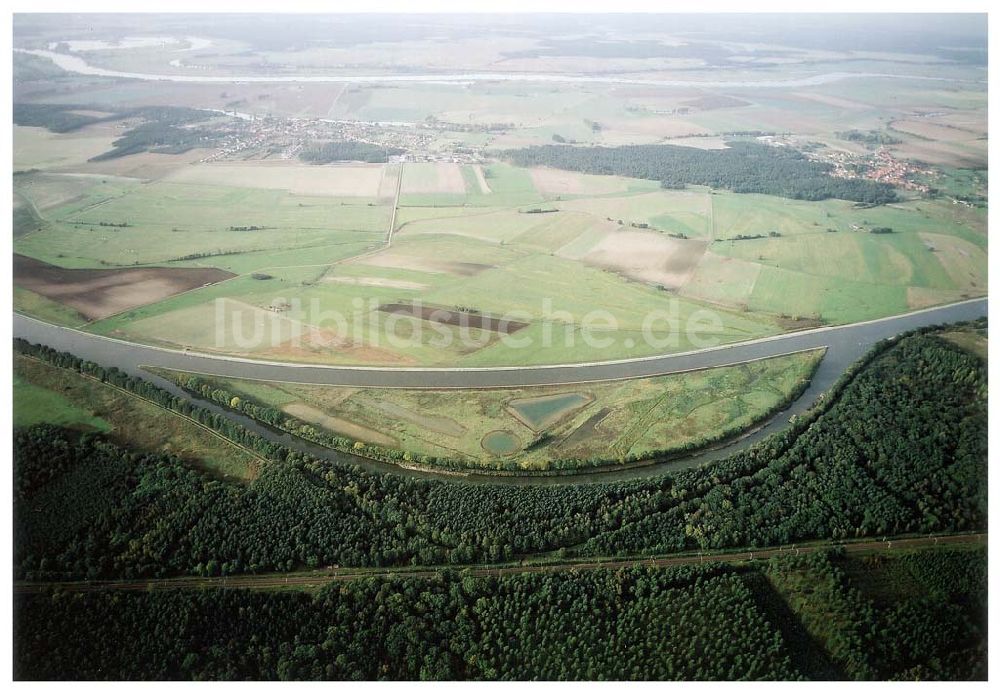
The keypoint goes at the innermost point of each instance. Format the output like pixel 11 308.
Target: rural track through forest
pixel 309 579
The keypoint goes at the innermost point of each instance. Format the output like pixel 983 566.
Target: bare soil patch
pixel 923 297
pixel 390 259
pixel 454 317
pixel 318 344
pixel 701 142
pixel 338 425
pixel 831 100
pixel 100 293
pixel 931 130
pixel 149 166
pixel 389 183
pixel 335 180
pixel 560 182
pixel 376 282
pixel 91 114
pixel 654 127
pixel 710 102
pixel 648 256
pixel 443 177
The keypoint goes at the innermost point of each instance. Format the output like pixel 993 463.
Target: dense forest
pixel 58 118
pixel 705 622
pixel 347 151
pixel 898 446
pixel 911 616
pixel 871 138
pixel 742 167
pixel 163 129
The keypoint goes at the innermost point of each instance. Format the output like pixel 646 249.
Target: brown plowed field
pixel 452 317
pixel 97 293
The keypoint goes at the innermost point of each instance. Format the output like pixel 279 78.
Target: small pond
pixel 501 442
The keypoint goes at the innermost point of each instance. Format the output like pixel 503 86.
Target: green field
pixel 679 212
pixel 605 421
pixel 551 246
pixel 816 262
pixel 169 221
pixel 36 305
pixel 47 394
pixel 509 187
pixel 36 404
pixel 37 148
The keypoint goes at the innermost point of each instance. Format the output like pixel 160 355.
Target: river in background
pixel 76 64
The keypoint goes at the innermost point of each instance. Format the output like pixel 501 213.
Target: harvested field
pixel 484 187
pixel 149 166
pixel 964 262
pixel 433 178
pixel 648 256
pixel 560 182
pixel 333 180
pixel 229 325
pixel 236 327
pixel 338 425
pixel 836 102
pixel 338 351
pixel 722 280
pixel 933 130
pixel 710 102
pixel 37 148
pixel 97 294
pixel 388 259
pixel 91 113
pixel 452 317
pixel 923 297
pixel 389 183
pixel 651 127
pixel 376 282
pixel 701 142
pixel 962 155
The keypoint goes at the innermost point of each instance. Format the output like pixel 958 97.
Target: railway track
pixel 321 577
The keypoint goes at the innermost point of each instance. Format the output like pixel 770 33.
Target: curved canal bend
pixel 844 345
